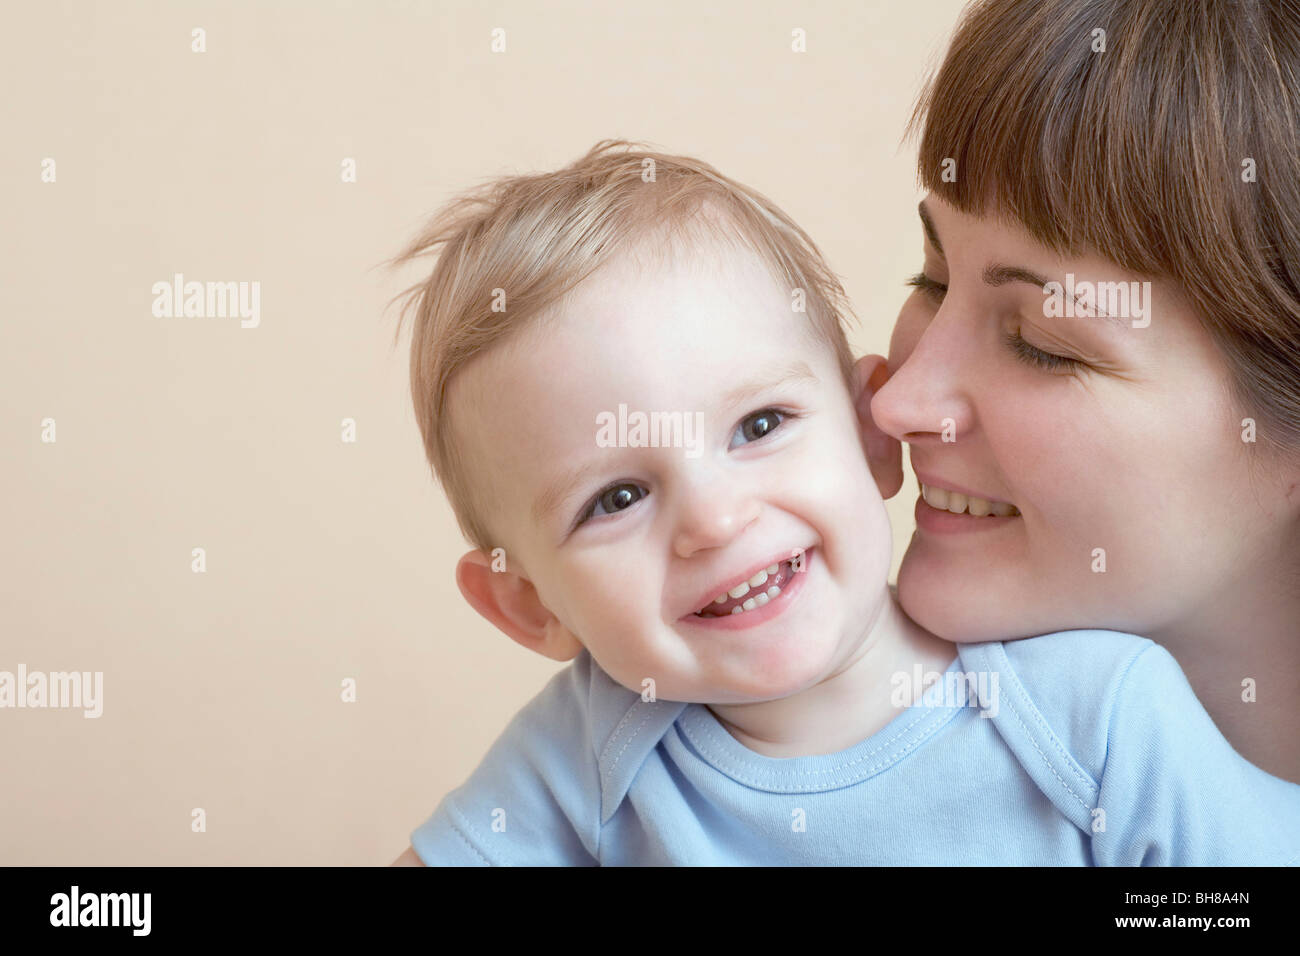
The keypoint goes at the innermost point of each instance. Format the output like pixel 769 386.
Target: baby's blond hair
pixel 533 239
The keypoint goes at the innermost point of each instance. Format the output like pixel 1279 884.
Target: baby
pixel 632 380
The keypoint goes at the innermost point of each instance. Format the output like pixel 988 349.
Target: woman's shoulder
pixel 1088 665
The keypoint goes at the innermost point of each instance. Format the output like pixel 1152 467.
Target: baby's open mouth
pixel 752 594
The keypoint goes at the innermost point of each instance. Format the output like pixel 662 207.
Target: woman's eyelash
pixel 932 289
pixel 1048 361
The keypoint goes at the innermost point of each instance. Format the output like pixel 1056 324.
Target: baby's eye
pixel 758 425
pixel 613 499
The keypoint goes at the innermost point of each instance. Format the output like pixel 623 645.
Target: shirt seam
pixel 609 771
pixel 464 839
pixel 464 828
pixel 938 718
pixel 1067 759
pixel 1047 761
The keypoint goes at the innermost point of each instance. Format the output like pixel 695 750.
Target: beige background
pixel 326 560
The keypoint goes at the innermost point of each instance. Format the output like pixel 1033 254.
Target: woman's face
pixel 1116 439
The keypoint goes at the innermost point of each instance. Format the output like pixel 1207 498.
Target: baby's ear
pixel 884 452
pixel 512 604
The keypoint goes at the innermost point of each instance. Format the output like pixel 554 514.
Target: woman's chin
pixel 955 606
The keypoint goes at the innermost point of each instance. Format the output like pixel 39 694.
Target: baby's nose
pixel 712 517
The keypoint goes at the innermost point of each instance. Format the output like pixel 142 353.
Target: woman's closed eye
pixel 1020 348
pixel 931 288
pixel 1032 355
pixel 623 494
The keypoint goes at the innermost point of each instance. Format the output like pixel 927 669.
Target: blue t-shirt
pixel 1076 748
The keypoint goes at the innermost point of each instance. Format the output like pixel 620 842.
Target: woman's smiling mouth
pixel 956 503
pixel 946 510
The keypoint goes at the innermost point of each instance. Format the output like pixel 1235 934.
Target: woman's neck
pixel 1240 650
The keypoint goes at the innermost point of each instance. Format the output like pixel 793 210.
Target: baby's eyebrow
pixel 792 373
pixel 551 498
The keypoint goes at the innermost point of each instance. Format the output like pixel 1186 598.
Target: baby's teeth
pixel 759 599
pixel 978 507
pixel 956 502
pixel 935 497
pixel 1002 509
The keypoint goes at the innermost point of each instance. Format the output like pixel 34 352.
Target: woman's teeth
pixel 958 503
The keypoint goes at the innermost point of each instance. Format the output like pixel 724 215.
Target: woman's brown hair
pixel 1161 134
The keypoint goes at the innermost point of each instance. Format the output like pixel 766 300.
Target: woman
pixel 1146 437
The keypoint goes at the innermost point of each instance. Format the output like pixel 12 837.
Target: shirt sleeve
pixel 1173 791
pixel 534 800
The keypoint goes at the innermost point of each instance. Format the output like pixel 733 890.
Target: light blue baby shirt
pixel 1094 750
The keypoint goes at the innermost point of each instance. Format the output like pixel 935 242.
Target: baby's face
pixel 637 540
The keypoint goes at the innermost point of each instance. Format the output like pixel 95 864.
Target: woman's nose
pixel 927 398
pixel 713 514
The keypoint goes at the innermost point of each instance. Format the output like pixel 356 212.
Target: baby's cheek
pixel 829 465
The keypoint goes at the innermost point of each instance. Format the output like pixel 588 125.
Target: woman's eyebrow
pixel 928 223
pixel 996 275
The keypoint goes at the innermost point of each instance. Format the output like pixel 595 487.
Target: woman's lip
pixel 931 480
pixel 778 604
pixel 929 518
